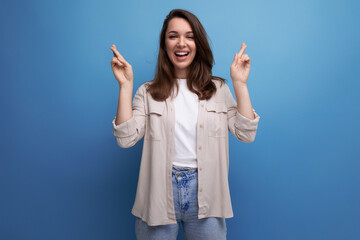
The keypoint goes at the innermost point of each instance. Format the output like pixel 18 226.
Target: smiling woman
pixel 180 46
pixel 184 115
pixel 182 34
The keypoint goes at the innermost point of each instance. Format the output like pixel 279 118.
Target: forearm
pixel 243 100
pixel 124 109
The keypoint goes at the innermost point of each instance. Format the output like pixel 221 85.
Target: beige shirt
pixel 155 121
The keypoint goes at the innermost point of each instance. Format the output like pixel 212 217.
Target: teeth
pixel 181 53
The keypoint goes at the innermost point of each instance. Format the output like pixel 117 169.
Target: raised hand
pixel 121 68
pixel 240 67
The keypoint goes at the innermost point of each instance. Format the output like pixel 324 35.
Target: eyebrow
pixel 177 32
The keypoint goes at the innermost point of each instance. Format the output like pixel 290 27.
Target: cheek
pixel 170 56
pixel 167 47
pixel 168 53
pixel 193 47
pixel 194 51
pixel 167 50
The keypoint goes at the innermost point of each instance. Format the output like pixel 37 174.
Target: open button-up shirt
pixel 155 121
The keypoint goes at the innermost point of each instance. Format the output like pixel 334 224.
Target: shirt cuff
pixel 124 129
pixel 245 123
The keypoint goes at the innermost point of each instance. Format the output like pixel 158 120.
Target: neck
pixel 181 73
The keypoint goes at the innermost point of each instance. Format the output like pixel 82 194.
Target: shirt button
pixel 200 168
pixel 202 105
pixel 201 126
pixel 200 190
pixel 199 147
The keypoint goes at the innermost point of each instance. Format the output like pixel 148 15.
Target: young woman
pixel 184 115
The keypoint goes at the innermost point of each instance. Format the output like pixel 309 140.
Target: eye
pixel 192 37
pixel 173 36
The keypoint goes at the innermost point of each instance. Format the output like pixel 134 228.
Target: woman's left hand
pixel 240 67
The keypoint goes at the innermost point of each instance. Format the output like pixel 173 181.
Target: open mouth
pixel 181 54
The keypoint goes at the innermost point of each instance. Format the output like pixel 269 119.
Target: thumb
pixel 234 61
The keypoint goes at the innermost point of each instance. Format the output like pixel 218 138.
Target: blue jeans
pixel 185 188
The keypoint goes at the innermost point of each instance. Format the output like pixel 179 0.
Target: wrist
pixel 127 85
pixel 239 84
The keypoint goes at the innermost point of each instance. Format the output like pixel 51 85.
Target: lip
pixel 182 58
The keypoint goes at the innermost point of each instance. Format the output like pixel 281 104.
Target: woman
pixel 184 115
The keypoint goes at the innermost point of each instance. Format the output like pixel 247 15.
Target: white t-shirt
pixel 186 106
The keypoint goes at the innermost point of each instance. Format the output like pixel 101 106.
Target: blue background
pixel 62 175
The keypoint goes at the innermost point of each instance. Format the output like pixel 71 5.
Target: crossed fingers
pixel 118 58
pixel 240 56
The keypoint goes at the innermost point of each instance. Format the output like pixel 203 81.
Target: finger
pixel 235 59
pixel 246 57
pixel 122 61
pixel 116 53
pixel 242 59
pixel 116 61
pixel 242 50
pixel 239 60
pixel 116 64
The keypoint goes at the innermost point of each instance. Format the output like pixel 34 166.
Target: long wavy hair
pixel 199 78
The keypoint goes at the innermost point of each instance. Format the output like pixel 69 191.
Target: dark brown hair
pixel 199 79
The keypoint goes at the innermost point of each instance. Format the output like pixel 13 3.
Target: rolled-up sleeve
pixel 130 132
pixel 240 126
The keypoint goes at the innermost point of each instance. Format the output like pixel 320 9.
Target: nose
pixel 181 42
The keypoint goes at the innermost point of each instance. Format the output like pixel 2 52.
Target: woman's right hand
pixel 121 68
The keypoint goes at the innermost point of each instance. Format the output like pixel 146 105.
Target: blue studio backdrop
pixel 62 175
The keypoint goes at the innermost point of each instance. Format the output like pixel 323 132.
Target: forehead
pixel 179 25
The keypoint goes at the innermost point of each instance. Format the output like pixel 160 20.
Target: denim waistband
pixel 185 172
pixel 183 169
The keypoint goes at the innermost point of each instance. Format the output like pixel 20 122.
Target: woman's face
pixel 180 45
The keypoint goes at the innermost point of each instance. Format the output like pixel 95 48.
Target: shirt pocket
pixel 217 119
pixel 155 121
